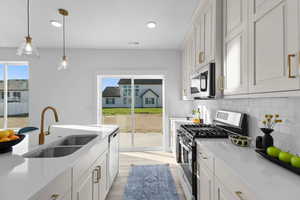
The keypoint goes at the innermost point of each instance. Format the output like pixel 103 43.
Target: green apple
pixel 295 161
pixel 285 157
pixel 273 151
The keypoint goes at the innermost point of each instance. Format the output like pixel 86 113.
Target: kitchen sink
pixel 63 147
pixel 52 152
pixel 76 140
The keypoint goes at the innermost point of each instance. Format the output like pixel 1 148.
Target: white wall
pixel 73 92
pixel 286 135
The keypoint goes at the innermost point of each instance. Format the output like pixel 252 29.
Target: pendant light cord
pixel 28 25
pixel 64 36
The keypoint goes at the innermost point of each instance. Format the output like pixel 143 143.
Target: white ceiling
pixel 104 24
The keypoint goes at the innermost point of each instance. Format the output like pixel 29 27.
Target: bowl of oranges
pixel 9 138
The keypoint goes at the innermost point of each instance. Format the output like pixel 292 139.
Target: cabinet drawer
pixel 58 189
pixel 205 158
pixel 233 183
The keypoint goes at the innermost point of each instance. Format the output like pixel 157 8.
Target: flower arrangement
pixel 270 121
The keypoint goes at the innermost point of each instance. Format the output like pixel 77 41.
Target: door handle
pixel 290 56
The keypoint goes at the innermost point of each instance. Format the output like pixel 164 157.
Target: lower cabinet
pixel 94 184
pixel 217 181
pixel 84 191
pixel 205 183
pixel 221 193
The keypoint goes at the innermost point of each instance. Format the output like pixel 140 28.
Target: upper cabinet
pixel 206 24
pixel 235 47
pixel 274 46
pixel 188 65
pixel 255 45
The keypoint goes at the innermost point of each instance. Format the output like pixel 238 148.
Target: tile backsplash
pixel 286 135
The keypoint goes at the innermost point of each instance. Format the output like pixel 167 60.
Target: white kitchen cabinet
pixel 100 184
pixel 84 190
pixel 216 181
pixel 93 184
pixel 113 164
pixel 206 184
pixel 188 65
pixel 274 46
pixel 221 193
pixel 235 68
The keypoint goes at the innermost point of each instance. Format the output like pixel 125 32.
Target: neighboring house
pixel 17 97
pixel 147 92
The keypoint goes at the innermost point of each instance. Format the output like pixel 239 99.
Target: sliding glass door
pixel 136 105
pixel 148 112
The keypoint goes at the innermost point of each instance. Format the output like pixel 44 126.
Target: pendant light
pixel 27 48
pixel 64 61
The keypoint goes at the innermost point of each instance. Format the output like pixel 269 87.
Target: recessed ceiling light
pixel 133 43
pixel 151 24
pixel 55 23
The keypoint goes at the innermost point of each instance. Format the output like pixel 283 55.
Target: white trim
pixel 134 77
pixel 5 113
pixel 14 62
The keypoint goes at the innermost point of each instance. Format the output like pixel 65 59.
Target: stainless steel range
pixel 224 124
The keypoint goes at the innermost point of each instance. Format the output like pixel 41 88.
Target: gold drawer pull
pixel 239 195
pixel 54 197
pixel 290 56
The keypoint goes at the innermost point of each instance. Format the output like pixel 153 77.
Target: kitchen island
pixel 82 175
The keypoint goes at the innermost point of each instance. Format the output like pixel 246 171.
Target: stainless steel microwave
pixel 203 84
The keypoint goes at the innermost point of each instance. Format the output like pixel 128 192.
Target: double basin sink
pixel 61 148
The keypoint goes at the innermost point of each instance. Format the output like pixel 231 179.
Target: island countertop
pixel 21 178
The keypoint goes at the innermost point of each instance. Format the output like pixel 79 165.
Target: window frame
pixel 5 89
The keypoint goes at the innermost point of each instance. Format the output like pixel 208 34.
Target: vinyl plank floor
pixel 142 158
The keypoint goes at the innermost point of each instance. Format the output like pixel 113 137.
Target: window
pixel 127 90
pixel 136 89
pixel 110 101
pixel 12 87
pixel 149 100
pixel 125 100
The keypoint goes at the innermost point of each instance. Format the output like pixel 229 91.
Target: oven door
pixel 185 158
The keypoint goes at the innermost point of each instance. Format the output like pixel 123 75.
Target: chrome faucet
pixel 42 133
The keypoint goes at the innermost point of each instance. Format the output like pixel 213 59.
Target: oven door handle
pixel 185 146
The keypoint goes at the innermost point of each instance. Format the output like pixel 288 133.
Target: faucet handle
pixel 48 131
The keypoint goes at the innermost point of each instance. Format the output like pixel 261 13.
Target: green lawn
pixel 127 111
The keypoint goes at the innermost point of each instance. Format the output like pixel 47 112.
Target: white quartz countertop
pixel 265 178
pixel 21 178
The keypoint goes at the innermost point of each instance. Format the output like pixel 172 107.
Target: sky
pixel 15 72
pixel 112 82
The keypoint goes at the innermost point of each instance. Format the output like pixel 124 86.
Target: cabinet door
pixel 221 193
pixel 85 188
pixel 205 190
pixel 204 35
pixel 235 47
pixel 101 177
pixel 208 34
pixel 186 71
pixel 274 45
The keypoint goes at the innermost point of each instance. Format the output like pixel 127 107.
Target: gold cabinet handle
pixel 96 180
pixel 201 57
pixel 290 56
pixel 239 195
pixel 99 173
pixel 221 83
pixel 54 196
